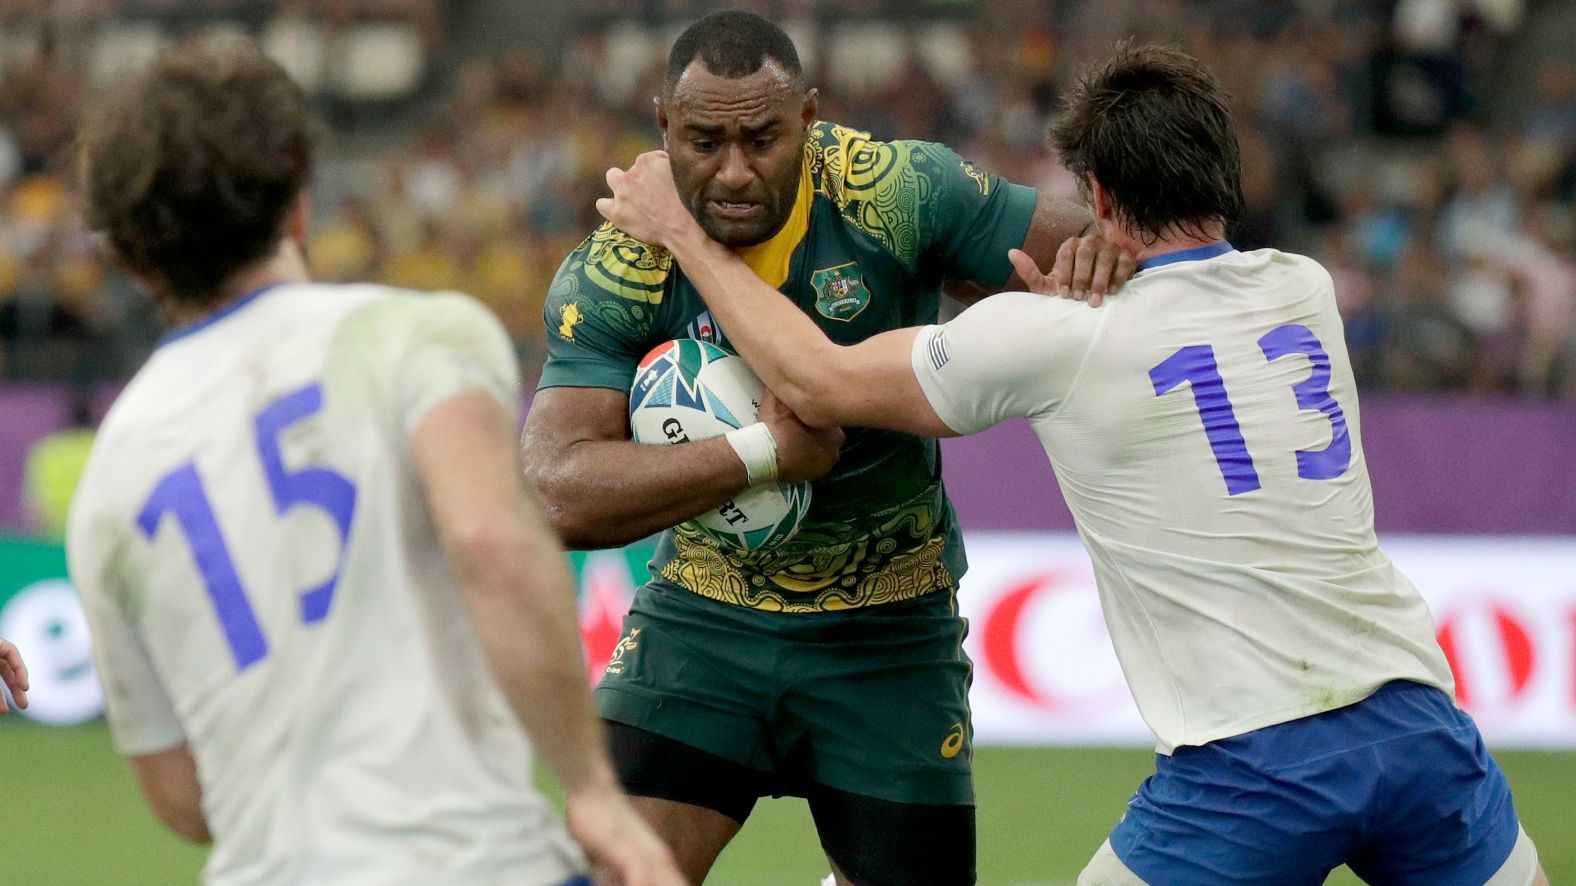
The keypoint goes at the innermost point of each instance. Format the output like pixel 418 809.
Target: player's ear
pixel 1103 210
pixel 662 118
pixel 812 106
pixel 300 218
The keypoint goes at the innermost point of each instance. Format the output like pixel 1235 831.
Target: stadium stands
pixel 1380 138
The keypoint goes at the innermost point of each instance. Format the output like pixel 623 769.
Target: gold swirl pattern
pixel 899 558
pixel 569 295
pixel 878 187
pixel 624 266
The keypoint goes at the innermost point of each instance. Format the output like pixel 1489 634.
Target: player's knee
pixel 1106 869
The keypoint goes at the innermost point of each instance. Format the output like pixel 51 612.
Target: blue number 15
pixel 181 493
pixel 1195 366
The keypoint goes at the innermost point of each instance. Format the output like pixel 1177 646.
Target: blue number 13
pixel 181 493
pixel 1195 366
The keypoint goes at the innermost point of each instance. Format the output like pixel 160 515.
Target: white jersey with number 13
pixel 1204 429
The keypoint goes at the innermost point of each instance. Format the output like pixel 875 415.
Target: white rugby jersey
pixel 1203 426
pixel 263 582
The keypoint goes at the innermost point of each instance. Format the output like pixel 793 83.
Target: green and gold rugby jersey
pixel 875 229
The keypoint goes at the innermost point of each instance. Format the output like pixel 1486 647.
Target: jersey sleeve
pixel 971 217
pixel 600 309
pixel 457 347
pixel 1013 354
pixel 142 719
pixel 426 348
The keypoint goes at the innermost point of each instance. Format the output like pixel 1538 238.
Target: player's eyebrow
pixel 717 130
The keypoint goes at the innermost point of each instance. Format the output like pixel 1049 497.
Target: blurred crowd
pixel 1380 138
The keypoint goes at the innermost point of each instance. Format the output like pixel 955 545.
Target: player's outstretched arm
pixel 871 384
pixel 517 584
pixel 13 672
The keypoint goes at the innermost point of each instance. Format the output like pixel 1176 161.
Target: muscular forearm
pixel 601 494
pixel 514 579
pixel 521 596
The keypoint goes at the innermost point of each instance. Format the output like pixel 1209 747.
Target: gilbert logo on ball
pixel 687 390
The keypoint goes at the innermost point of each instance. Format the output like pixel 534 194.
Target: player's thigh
pixel 1449 816
pixel 1209 818
pixel 883 705
pixel 658 767
pixel 694 834
pixel 695 801
pixel 1521 868
pixel 695 677
pixel 1106 869
pixel 874 842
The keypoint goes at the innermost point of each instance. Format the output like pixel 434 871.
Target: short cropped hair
pixel 732 44
pixel 1156 130
pixel 191 169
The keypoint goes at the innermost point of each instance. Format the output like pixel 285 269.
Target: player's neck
pixel 286 265
pixel 1171 240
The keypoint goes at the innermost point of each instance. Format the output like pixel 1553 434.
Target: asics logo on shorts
pixel 953 743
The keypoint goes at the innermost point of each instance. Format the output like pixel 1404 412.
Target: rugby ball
pixel 687 390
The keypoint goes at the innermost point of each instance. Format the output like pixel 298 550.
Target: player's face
pixel 737 147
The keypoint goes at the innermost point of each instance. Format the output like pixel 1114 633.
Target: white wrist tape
pixel 757 448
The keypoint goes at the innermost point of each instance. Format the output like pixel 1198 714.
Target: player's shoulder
pixel 612 264
pixel 387 306
pixel 848 163
pixel 1274 260
pixel 390 334
pixel 885 189
pixel 1028 314
pixel 1289 273
pixel 1294 263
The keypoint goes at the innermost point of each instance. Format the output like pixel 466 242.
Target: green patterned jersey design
pixel 887 223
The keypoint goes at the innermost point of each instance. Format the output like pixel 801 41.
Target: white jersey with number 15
pixel 1203 426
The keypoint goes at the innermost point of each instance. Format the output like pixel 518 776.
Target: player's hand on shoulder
pixel 645 202
pixel 1087 269
pixel 13 672
pixel 622 848
pixel 803 452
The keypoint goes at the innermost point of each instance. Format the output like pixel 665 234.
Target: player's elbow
pixel 486 550
pixel 560 506
pixel 571 506
pixel 573 517
pixel 169 782
pixel 811 405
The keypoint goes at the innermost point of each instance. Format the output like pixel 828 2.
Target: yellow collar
pixel 770 260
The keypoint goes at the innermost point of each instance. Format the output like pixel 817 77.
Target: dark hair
pixel 1155 129
pixel 191 169
pixel 732 44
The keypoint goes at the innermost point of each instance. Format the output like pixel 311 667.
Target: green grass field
pixel 69 815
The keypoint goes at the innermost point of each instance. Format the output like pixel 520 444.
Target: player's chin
pixel 736 233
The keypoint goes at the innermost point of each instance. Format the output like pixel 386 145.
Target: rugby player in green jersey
pixel 831 666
